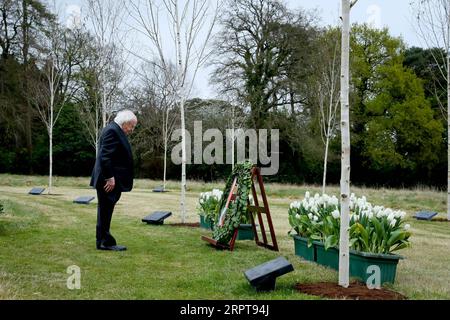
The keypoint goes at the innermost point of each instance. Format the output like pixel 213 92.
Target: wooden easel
pixel 256 175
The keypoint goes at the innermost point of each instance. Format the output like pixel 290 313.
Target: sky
pixel 393 14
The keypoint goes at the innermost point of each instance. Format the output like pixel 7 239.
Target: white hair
pixel 124 116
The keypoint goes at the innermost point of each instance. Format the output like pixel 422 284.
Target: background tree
pixel 21 28
pixel 377 72
pixel 255 53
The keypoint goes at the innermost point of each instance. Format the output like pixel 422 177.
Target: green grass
pixel 40 236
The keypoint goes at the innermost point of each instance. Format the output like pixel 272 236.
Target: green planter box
pixel 302 250
pixel 361 261
pixel 245 232
pixel 328 258
pixel 205 224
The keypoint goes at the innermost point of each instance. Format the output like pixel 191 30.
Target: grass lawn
pixel 40 236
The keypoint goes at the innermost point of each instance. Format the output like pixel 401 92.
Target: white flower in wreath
pixel 310 216
pixel 251 200
pixel 297 216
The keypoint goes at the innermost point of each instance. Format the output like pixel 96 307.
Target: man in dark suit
pixel 112 174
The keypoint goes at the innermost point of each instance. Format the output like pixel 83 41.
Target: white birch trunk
pixel 345 160
pixel 104 107
pixel 166 137
pixel 183 164
pixel 325 163
pixel 165 165
pixel 50 127
pixel 181 97
pixel 50 157
pixel 448 135
pixel 232 139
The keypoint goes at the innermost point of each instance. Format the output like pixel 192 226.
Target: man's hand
pixel 110 184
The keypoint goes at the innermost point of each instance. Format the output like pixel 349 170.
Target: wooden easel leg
pixel 233 240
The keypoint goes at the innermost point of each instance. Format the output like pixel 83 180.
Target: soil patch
pixel 356 291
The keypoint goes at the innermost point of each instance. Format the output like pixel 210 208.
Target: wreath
pixel 237 209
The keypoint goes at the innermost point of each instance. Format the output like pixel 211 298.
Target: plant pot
pixel 205 223
pixel 245 232
pixel 361 261
pixel 328 258
pixel 302 250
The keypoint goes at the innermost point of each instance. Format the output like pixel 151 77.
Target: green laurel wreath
pixel 237 209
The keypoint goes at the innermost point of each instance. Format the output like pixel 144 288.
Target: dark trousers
pixel 106 203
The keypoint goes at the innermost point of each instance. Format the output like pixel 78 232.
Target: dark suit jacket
pixel 114 159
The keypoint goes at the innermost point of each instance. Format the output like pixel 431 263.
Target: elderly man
pixel 112 174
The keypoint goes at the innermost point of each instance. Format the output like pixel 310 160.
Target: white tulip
pixel 407 227
pixel 335 214
pixel 307 194
pixel 334 201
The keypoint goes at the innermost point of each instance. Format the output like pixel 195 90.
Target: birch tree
pixel 344 261
pixel 325 91
pixel 101 86
pixel 190 24
pixel 159 88
pixel 433 26
pixel 53 89
pixel 105 18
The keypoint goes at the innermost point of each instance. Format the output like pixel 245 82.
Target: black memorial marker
pixel 159 189
pixel 263 277
pixel 36 191
pixel 157 217
pixel 84 200
pixel 425 215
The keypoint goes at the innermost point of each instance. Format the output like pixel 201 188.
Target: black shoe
pixel 112 248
